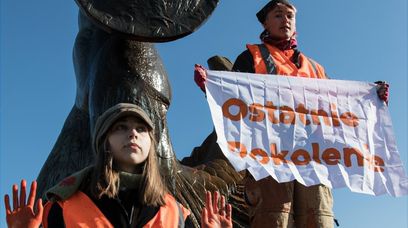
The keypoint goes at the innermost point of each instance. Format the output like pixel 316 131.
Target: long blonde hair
pixel 105 177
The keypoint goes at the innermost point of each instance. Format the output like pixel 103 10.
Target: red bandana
pixel 281 44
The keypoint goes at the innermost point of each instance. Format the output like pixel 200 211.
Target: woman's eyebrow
pixel 135 120
pixel 121 121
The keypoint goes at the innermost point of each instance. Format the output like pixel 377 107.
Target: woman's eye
pixel 141 129
pixel 120 127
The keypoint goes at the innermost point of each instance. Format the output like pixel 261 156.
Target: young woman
pixel 285 204
pixel 123 189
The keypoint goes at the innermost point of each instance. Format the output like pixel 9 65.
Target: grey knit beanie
pixel 114 113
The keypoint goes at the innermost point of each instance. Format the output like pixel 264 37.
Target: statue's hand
pixel 23 214
pixel 214 217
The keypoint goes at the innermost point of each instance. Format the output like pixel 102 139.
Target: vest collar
pixel 68 186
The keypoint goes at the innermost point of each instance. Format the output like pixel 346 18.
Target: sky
pixel 363 40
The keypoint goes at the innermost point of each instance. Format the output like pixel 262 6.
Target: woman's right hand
pixel 200 76
pixel 23 214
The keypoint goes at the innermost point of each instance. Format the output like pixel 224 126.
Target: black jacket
pixel 244 63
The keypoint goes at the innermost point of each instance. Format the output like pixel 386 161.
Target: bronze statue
pixel 115 61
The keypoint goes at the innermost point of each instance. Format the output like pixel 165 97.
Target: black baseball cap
pixel 261 15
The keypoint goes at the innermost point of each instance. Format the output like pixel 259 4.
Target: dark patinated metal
pixel 111 68
pixel 152 20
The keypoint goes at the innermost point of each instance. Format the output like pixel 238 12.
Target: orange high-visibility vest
pixel 79 211
pixel 270 60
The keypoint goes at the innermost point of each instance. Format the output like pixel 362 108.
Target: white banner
pixel 333 132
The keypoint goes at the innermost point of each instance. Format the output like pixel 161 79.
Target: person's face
pixel 129 143
pixel 281 22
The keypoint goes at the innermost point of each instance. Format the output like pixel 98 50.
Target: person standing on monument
pixel 283 204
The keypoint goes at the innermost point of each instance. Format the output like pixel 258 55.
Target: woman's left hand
pixel 214 217
pixel 23 214
pixel 383 91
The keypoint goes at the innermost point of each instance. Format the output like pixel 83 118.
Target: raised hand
pixel 200 76
pixel 23 214
pixel 383 91
pixel 214 217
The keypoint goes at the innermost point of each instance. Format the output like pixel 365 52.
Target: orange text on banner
pixel 285 114
pixel 329 156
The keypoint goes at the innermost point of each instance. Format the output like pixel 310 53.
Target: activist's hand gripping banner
pixel 333 132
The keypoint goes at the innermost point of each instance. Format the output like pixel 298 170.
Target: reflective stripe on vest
pixel 80 211
pixel 181 216
pixel 172 214
pixel 268 59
